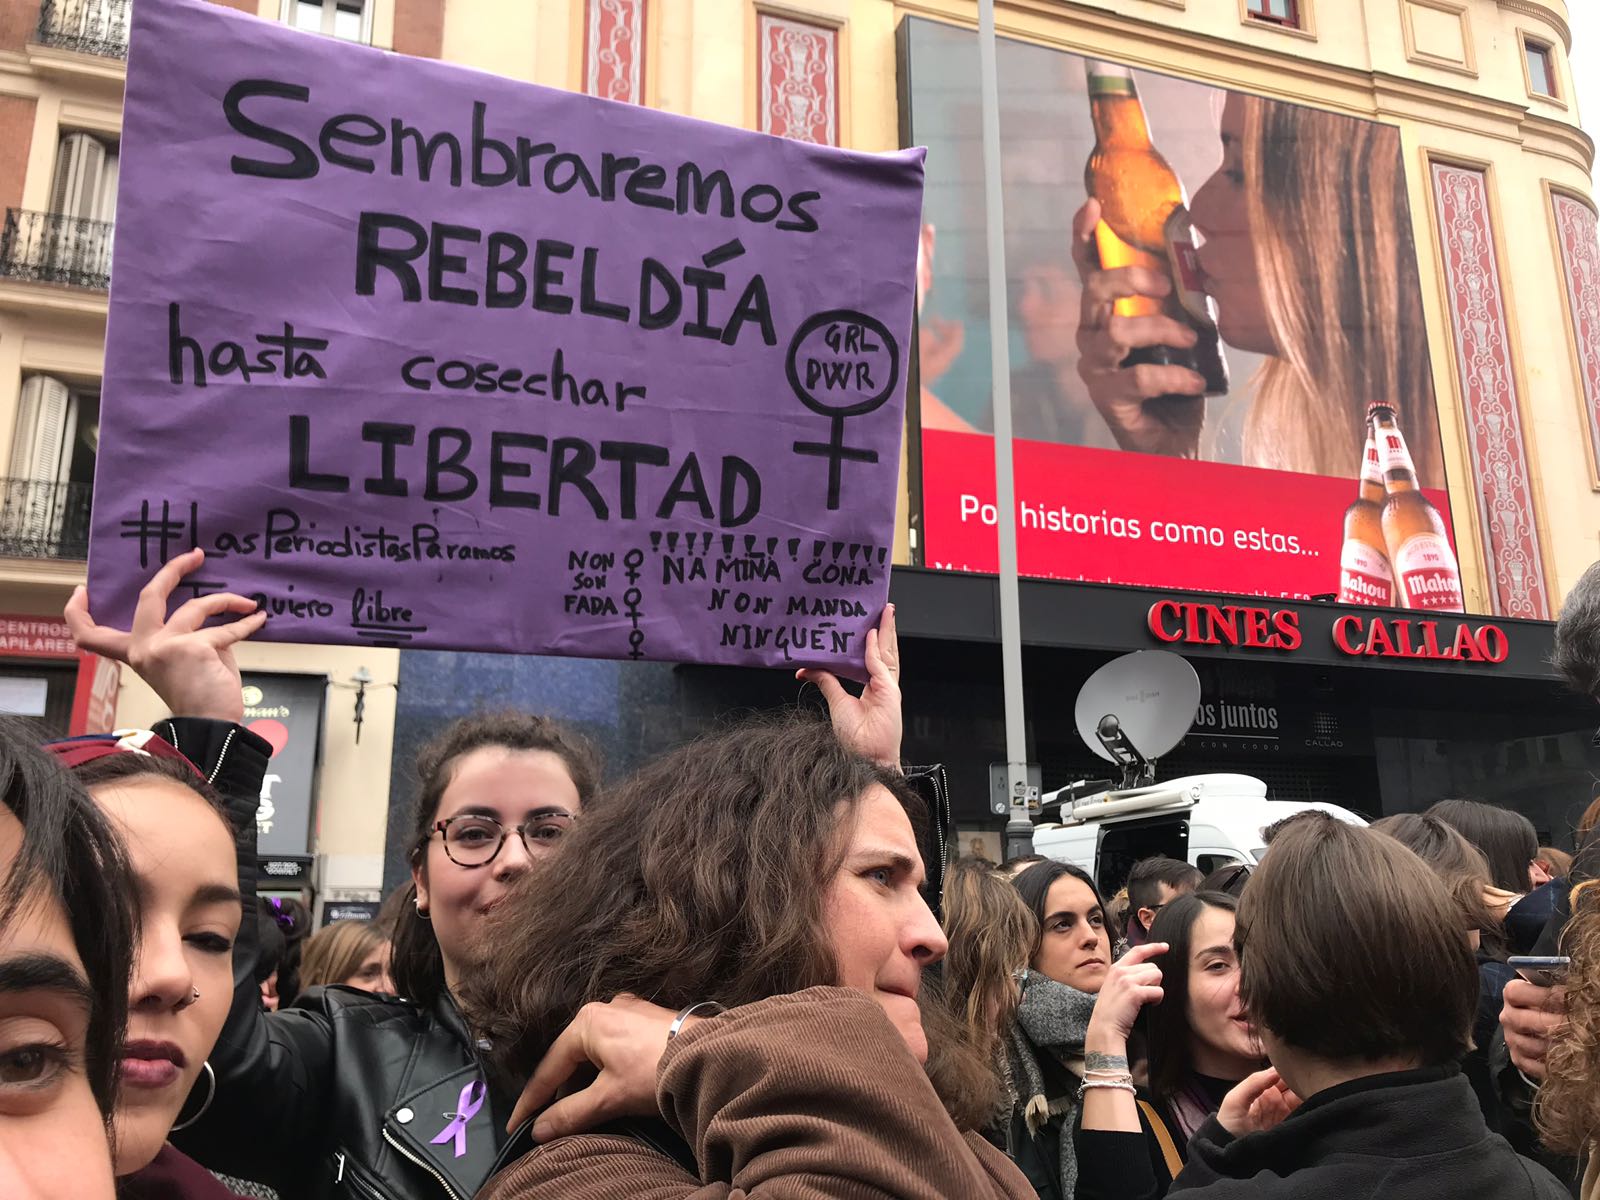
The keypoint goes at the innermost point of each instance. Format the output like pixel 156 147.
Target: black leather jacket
pixel 341 1095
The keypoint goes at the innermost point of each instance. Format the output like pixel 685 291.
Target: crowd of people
pixel 750 970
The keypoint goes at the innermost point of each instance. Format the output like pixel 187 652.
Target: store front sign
pixel 1357 636
pixel 24 636
pixel 1225 625
pixel 1407 638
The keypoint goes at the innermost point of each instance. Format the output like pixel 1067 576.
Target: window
pixel 45 498
pixel 85 182
pixel 1541 68
pixel 1275 12
pixel 347 19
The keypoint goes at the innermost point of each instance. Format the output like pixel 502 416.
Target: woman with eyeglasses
pixel 349 1094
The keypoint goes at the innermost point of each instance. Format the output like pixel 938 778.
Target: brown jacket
pixel 812 1096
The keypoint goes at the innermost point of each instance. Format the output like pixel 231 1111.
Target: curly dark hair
pixel 1567 1104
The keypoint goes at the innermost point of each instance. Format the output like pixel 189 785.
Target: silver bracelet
pixel 1121 1085
pixel 677 1023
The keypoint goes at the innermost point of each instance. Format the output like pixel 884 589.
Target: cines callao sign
pixel 1442 639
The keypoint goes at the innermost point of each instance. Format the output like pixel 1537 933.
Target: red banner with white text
pixel 1108 517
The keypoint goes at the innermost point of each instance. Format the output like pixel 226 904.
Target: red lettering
pixel 1155 620
pixel 1191 624
pixel 1255 628
pixel 1378 632
pixel 1494 644
pixel 1223 624
pixel 1342 629
pixel 1288 625
pixel 1402 634
pixel 1430 639
pixel 1465 648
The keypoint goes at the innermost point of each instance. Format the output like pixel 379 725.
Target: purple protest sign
pixel 427 358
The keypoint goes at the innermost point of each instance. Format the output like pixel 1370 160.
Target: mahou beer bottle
pixel 1425 570
pixel 1365 576
pixel 1144 222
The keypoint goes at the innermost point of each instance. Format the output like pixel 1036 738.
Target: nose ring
pixel 194 994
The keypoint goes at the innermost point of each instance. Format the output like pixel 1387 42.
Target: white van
pixel 1208 820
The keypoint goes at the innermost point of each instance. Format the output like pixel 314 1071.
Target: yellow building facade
pixel 1480 87
pixel 1459 78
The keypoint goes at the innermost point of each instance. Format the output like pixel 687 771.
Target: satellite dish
pixel 1137 707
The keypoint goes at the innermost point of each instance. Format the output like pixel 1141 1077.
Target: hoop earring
pixel 421 912
pixel 211 1094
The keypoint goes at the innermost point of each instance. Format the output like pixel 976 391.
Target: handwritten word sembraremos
pixel 452 471
pixel 489 162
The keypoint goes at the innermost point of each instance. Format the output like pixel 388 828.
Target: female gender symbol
pixel 848 367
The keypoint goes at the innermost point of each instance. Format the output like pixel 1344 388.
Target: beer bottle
pixel 1425 570
pixel 1365 576
pixel 1144 222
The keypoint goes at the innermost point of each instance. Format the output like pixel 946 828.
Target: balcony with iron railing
pixel 88 26
pixel 40 518
pixel 54 248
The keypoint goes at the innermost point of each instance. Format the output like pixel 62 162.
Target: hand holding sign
pixel 186 662
pixel 869 724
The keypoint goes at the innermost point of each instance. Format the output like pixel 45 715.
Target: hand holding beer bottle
pixel 1148 345
pixel 1157 408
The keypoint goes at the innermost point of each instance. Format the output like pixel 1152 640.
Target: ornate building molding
pixel 1578 237
pixel 798 80
pixel 1481 336
pixel 614 50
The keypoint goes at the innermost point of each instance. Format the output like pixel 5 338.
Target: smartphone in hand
pixel 1542 970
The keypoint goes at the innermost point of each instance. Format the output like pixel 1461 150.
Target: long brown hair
pixel 1169 1036
pixel 700 878
pixel 1331 225
pixel 1459 864
pixel 1567 1105
pixel 992 934
pixel 416 965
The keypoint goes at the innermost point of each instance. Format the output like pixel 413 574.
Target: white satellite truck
pixel 1131 712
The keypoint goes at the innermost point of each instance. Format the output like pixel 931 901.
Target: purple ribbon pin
pixel 467 1107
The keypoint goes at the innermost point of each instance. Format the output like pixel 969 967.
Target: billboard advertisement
pixel 1219 366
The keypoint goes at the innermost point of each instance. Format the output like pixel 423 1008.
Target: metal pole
pixel 1019 829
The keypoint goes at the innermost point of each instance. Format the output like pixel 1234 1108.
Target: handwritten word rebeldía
pixel 351 141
